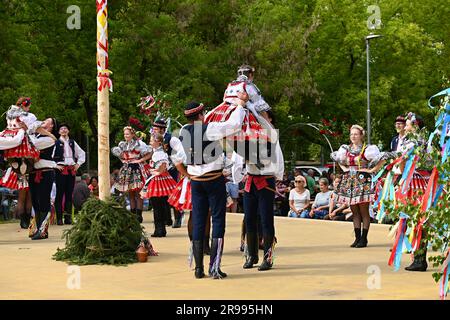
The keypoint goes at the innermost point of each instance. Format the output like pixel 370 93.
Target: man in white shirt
pixel 65 175
pixel 201 144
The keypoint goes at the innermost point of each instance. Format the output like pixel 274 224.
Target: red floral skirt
pixel 24 150
pixel 159 186
pixel 12 181
pixel 181 198
pixel 251 129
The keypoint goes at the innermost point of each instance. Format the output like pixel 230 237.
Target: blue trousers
pixel 260 202
pixel 205 195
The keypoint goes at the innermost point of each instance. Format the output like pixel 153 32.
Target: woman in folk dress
pixel 159 185
pixel 358 161
pixel 133 153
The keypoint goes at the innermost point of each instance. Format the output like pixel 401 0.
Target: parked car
pixel 317 171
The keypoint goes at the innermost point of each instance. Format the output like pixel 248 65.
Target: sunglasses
pixel 300 181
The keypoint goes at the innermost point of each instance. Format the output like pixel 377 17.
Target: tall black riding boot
pixel 67 218
pixel 363 241
pixel 139 215
pixel 59 219
pixel 216 258
pixel 168 213
pixel 25 220
pixel 268 254
pixel 357 237
pixel 161 225
pixel 419 263
pixel 197 248
pixel 252 250
pixel 178 216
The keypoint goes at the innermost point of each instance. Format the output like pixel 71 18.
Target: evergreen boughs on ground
pixel 103 233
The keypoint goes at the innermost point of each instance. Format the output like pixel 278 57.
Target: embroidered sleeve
pixel 340 155
pixel 159 158
pixel 117 151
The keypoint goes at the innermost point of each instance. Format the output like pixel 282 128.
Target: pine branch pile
pixel 103 233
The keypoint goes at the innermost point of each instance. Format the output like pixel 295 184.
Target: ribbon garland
pixel 434 189
pixel 102 46
pixel 401 242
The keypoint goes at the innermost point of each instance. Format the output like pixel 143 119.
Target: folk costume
pixel 65 179
pixel 259 197
pixel 131 176
pixel 157 188
pixel 355 188
pixel 41 181
pixel 201 143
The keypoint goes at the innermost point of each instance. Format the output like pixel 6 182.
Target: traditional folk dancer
pixel 408 175
pixel 201 143
pixel 20 153
pixel 65 175
pixel 173 147
pixel 358 162
pixel 159 185
pixel 246 142
pixel 258 144
pixel 42 178
pixel 133 153
pixel 259 197
pixel 181 200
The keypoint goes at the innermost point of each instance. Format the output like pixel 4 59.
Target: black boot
pixel 59 218
pixel 419 263
pixel 160 228
pixel 357 237
pixel 139 215
pixel 268 254
pixel 42 230
pixel 178 216
pixel 252 247
pixel 67 218
pixel 168 214
pixel 362 243
pixel 25 220
pixel 197 248
pixel 215 259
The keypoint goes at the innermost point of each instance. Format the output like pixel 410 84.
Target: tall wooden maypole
pixel 104 82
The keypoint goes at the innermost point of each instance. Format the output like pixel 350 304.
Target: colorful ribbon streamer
pixel 102 46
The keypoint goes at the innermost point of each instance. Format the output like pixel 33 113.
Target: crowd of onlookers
pixel 85 186
pixel 307 195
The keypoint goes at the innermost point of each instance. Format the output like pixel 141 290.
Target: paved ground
pixel 313 261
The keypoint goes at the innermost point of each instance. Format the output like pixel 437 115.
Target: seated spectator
pixel 299 198
pixel 339 212
pixel 81 192
pixel 93 186
pixel 319 208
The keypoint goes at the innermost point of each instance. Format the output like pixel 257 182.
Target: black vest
pixel 72 146
pixel 199 150
pixel 58 155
